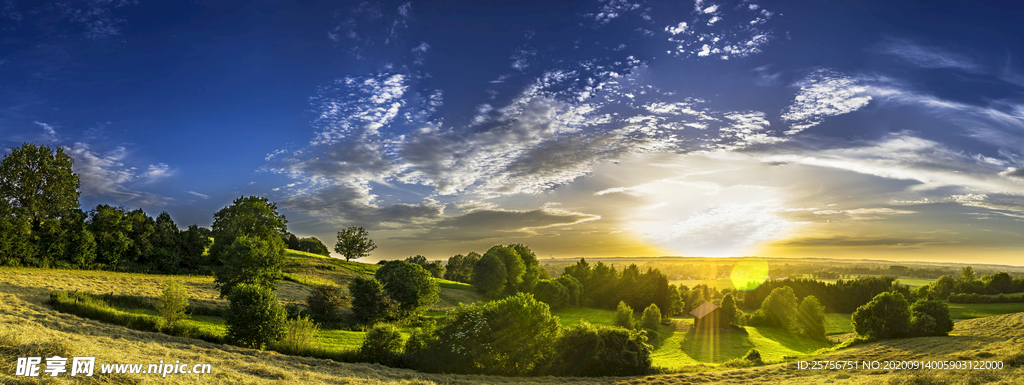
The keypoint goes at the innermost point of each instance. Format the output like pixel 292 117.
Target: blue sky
pixel 583 128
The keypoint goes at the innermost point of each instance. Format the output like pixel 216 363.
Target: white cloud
pixel 50 133
pixel 928 57
pixel 726 230
pixel 157 172
pixel 678 29
pixel 204 196
pixel 824 93
pixel 106 176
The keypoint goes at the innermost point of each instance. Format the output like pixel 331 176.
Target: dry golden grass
pixel 28 327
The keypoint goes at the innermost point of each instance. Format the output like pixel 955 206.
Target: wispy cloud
pixel 204 196
pixel 50 134
pixel 104 175
pixel 156 172
pixel 928 57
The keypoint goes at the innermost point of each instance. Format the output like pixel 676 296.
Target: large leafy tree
pixel 111 229
pixel 509 336
pixel 408 284
pixel 251 216
pixel 248 243
pixel 354 243
pixel 251 260
pixel 514 266
pixel 489 275
pixel 460 267
pixel 37 182
pixel 886 316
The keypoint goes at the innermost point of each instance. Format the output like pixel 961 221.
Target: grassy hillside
pixel 28 327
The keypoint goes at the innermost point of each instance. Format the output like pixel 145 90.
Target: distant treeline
pixel 843 296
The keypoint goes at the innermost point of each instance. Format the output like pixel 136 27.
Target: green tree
pixel 326 302
pixel 37 182
pixel 729 307
pixel 460 267
pixel 173 303
pixel 574 288
pixel 594 350
pixel 313 245
pixel 886 316
pixel 531 274
pixel 141 233
pixel 810 317
pixel 779 308
pixel 16 243
pixel 166 255
pixel 193 243
pixel 254 318
pixel 251 216
pixel 111 228
pixel 509 337
pixel 624 316
pixel 514 266
pixel 930 318
pixel 942 287
pixel 409 285
pixel 354 243
pixel 552 293
pixel 967 274
pixel 251 260
pixel 369 301
pixel 651 318
pixel 382 344
pixel 489 275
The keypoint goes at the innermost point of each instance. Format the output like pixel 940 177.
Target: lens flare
pixel 748 274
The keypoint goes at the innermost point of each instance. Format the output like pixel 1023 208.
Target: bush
pixel 299 336
pixel 509 337
pixel 93 307
pixel 651 318
pixel 624 316
pixel 754 356
pixel 409 285
pixel 552 293
pixel 325 304
pixel 382 344
pixel 255 319
pixel 593 350
pixel 251 260
pixel 369 302
pixel 173 303
pixel 886 316
pixel 930 318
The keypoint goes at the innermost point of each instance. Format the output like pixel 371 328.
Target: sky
pixel 603 128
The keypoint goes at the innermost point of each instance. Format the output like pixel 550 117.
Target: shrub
pixel 369 302
pixel 886 316
pixel 651 318
pixel 930 318
pixel 299 336
pixel 754 356
pixel 552 293
pixel 409 285
pixel 173 303
pixel 326 302
pixel 382 344
pixel 624 316
pixel 509 336
pixel 255 319
pixel 594 350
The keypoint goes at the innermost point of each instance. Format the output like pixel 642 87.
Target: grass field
pixel 978 310
pixel 838 323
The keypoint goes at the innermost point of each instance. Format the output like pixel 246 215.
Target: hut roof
pixel 703 310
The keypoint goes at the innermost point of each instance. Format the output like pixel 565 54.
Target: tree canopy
pixel 408 284
pixel 354 243
pixel 251 216
pixel 37 182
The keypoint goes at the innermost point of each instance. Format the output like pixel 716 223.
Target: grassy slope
pixel 31 326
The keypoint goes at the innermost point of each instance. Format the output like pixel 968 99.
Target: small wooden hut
pixel 709 316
